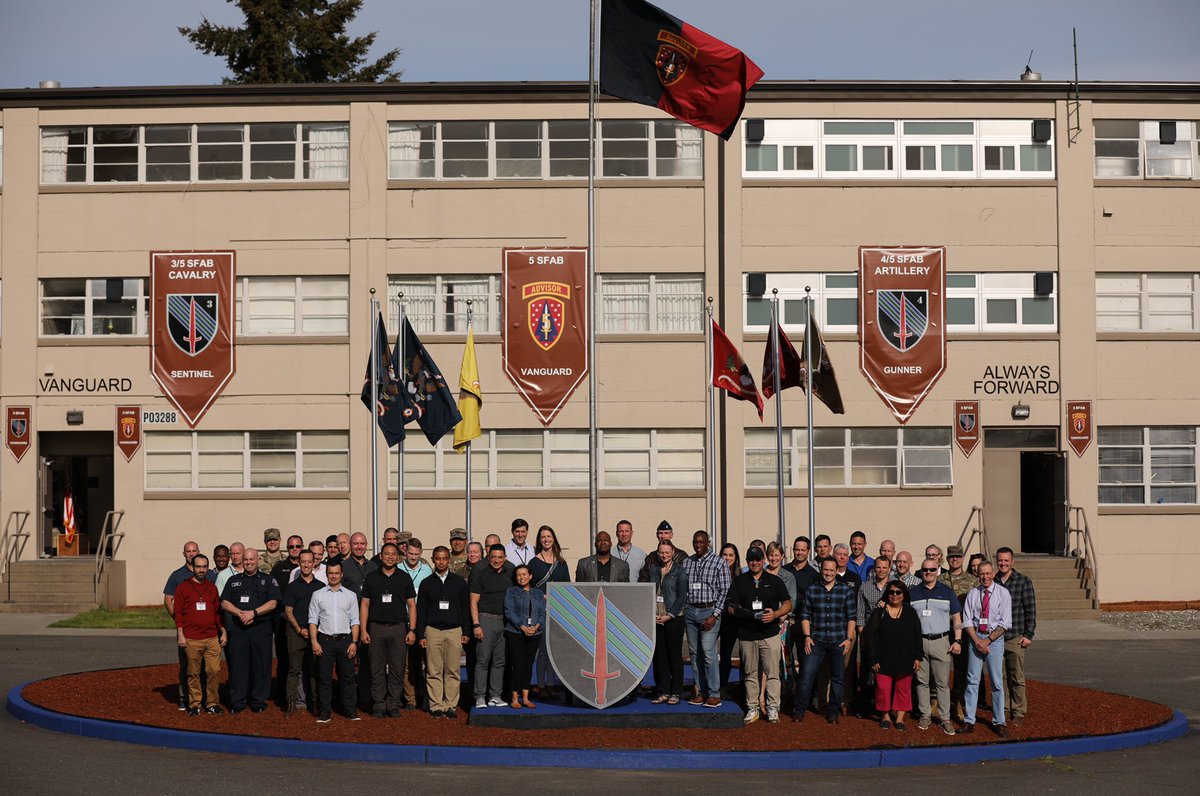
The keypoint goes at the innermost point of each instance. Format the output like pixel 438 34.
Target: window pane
pixel 762 157
pixel 877 158
pixel 920 158
pixel 795 312
pixel 999 158
pixel 860 128
pixel 1117 128
pixel 960 280
pixel 758 312
pixel 841 157
pixel 798 158
pixel 841 312
pixel 939 128
pixel 1001 310
pixel 1119 435
pixel 960 311
pixel 958 157
pixel 841 280
pixel 1037 311
pixel 1035 157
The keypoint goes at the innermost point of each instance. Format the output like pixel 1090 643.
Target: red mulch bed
pixel 146 695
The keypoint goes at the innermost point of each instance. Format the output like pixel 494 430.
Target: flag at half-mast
pixel 824 383
pixel 470 397
pixel 656 59
pixel 791 367
pixel 729 371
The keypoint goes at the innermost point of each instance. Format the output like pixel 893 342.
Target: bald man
pixel 237 554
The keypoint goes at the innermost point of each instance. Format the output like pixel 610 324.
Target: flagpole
pixel 778 409
pixel 711 459
pixel 400 447
pixel 808 392
pixel 593 453
pixel 470 312
pixel 374 316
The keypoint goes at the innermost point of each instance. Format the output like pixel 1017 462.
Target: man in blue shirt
pixel 987 616
pixel 937 607
pixel 333 628
pixel 827 622
pixel 860 563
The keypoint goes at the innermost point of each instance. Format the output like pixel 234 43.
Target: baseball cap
pixel 271 534
pixel 954 550
pixel 755 554
pixel 665 526
pixel 458 533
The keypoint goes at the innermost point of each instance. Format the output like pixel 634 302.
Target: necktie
pixel 983 611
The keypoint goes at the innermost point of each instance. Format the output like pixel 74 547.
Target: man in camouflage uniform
pixel 458 552
pixel 273 553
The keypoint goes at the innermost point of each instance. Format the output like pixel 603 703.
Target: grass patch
pixel 138 617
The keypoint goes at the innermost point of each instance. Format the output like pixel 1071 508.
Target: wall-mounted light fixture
pixel 74 417
pixel 1020 411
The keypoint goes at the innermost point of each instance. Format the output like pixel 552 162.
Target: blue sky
pixel 134 42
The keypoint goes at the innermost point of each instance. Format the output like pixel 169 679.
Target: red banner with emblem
pixel 545 331
pixel 191 327
pixel 902 322
pixel 1079 425
pixel 129 430
pixel 18 430
pixel 966 426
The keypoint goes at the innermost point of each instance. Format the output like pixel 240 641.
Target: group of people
pixel 848 631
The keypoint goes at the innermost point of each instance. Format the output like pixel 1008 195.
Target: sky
pixel 135 42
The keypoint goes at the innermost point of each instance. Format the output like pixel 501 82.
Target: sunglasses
pixel 893 592
pixel 295 547
pixel 927 570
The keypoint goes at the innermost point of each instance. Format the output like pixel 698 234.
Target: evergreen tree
pixel 294 41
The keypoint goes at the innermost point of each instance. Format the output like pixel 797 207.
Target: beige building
pixel 326 192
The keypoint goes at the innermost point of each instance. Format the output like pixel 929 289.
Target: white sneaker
pixel 751 716
pixel 480 703
pixel 772 716
pixel 496 702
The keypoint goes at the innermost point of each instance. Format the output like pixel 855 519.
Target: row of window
pixel 542 150
pixel 852 457
pixel 247 460
pixel 1147 465
pixel 982 302
pixel 153 153
pixel 1147 302
pixel 1154 150
pixel 905 149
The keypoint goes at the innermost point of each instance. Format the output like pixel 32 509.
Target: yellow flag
pixel 470 397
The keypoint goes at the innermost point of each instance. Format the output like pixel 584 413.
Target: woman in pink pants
pixel 894 653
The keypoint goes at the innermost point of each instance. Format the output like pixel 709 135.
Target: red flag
pixel 730 372
pixel 791 367
pixel 652 57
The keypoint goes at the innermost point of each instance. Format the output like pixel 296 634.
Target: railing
pixel 12 542
pixel 980 530
pixel 1084 547
pixel 112 521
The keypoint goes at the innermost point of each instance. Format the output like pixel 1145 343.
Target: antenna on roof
pixel 1073 126
pixel 1029 74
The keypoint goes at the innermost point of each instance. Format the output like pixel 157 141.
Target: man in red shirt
pixel 200 634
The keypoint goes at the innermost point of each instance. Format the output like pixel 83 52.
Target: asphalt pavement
pixel 1156 666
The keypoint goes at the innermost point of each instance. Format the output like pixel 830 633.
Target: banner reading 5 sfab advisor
pixel 545 326
pixel 191 327
pixel 902 322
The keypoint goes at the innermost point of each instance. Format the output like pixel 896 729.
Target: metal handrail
pixel 9 543
pixel 112 521
pixel 1077 524
pixel 980 531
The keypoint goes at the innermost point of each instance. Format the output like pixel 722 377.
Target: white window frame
pixel 1145 295
pixel 657 299
pixel 1149 477
pixel 333 169
pixel 244 302
pixel 1147 142
pixel 90 299
pixel 998 285
pixel 795 453
pixel 485 309
pixel 194 451
pixel 792 286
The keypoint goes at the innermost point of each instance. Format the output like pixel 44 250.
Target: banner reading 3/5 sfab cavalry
pixel 191 327
pixel 902 322
pixel 545 332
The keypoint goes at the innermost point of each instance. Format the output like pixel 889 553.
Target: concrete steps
pixel 1064 589
pixel 53 586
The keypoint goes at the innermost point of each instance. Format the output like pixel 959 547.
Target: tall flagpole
pixel 778 410
pixel 374 316
pixel 468 490
pixel 593 453
pixel 400 448
pixel 711 459
pixel 808 383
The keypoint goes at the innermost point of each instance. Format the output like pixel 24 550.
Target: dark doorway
pixel 1043 502
pixel 83 462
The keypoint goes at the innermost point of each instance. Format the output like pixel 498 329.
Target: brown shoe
pixel 1001 730
pixel 1017 722
pixel 527 703
pixel 696 700
pixel 713 702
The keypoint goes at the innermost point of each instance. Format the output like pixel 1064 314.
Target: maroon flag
pixel 652 57
pixel 791 367
pixel 1079 425
pixel 730 372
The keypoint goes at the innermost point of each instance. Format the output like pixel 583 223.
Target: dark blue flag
pixel 389 411
pixel 424 394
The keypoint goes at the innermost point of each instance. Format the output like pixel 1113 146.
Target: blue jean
pixel 703 646
pixel 995 666
pixel 812 662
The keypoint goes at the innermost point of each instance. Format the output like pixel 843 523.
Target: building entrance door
pixel 82 462
pixel 1024 489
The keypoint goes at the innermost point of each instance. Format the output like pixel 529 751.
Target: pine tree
pixel 294 41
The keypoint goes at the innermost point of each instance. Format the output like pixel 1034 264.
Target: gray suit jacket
pixel 587 570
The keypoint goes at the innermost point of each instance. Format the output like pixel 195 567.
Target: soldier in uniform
pixel 267 559
pixel 249 600
pixel 458 552
pixel 960 582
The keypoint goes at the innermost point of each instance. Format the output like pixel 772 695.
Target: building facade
pixel 1071 223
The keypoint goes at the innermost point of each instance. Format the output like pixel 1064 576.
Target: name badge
pixel 201 606
pixel 245 598
pixel 529 621
pixel 756 605
pixel 660 599
pixel 696 586
pixel 386 598
pixel 926 612
pixel 443 605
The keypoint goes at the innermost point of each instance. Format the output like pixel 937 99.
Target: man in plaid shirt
pixel 1018 637
pixel 827 619
pixel 708 584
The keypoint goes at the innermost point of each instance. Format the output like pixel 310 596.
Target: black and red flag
pixel 656 59
pixel 791 367
pixel 824 383
pixel 729 371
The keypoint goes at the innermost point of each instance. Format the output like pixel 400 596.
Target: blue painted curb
pixel 640 759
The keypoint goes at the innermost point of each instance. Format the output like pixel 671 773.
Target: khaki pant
pixel 208 652
pixel 1014 678
pixel 937 664
pixel 761 657
pixel 414 676
pixel 443 648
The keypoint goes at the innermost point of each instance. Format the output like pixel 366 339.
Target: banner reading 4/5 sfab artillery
pixel 902 322
pixel 191 327
pixel 545 326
